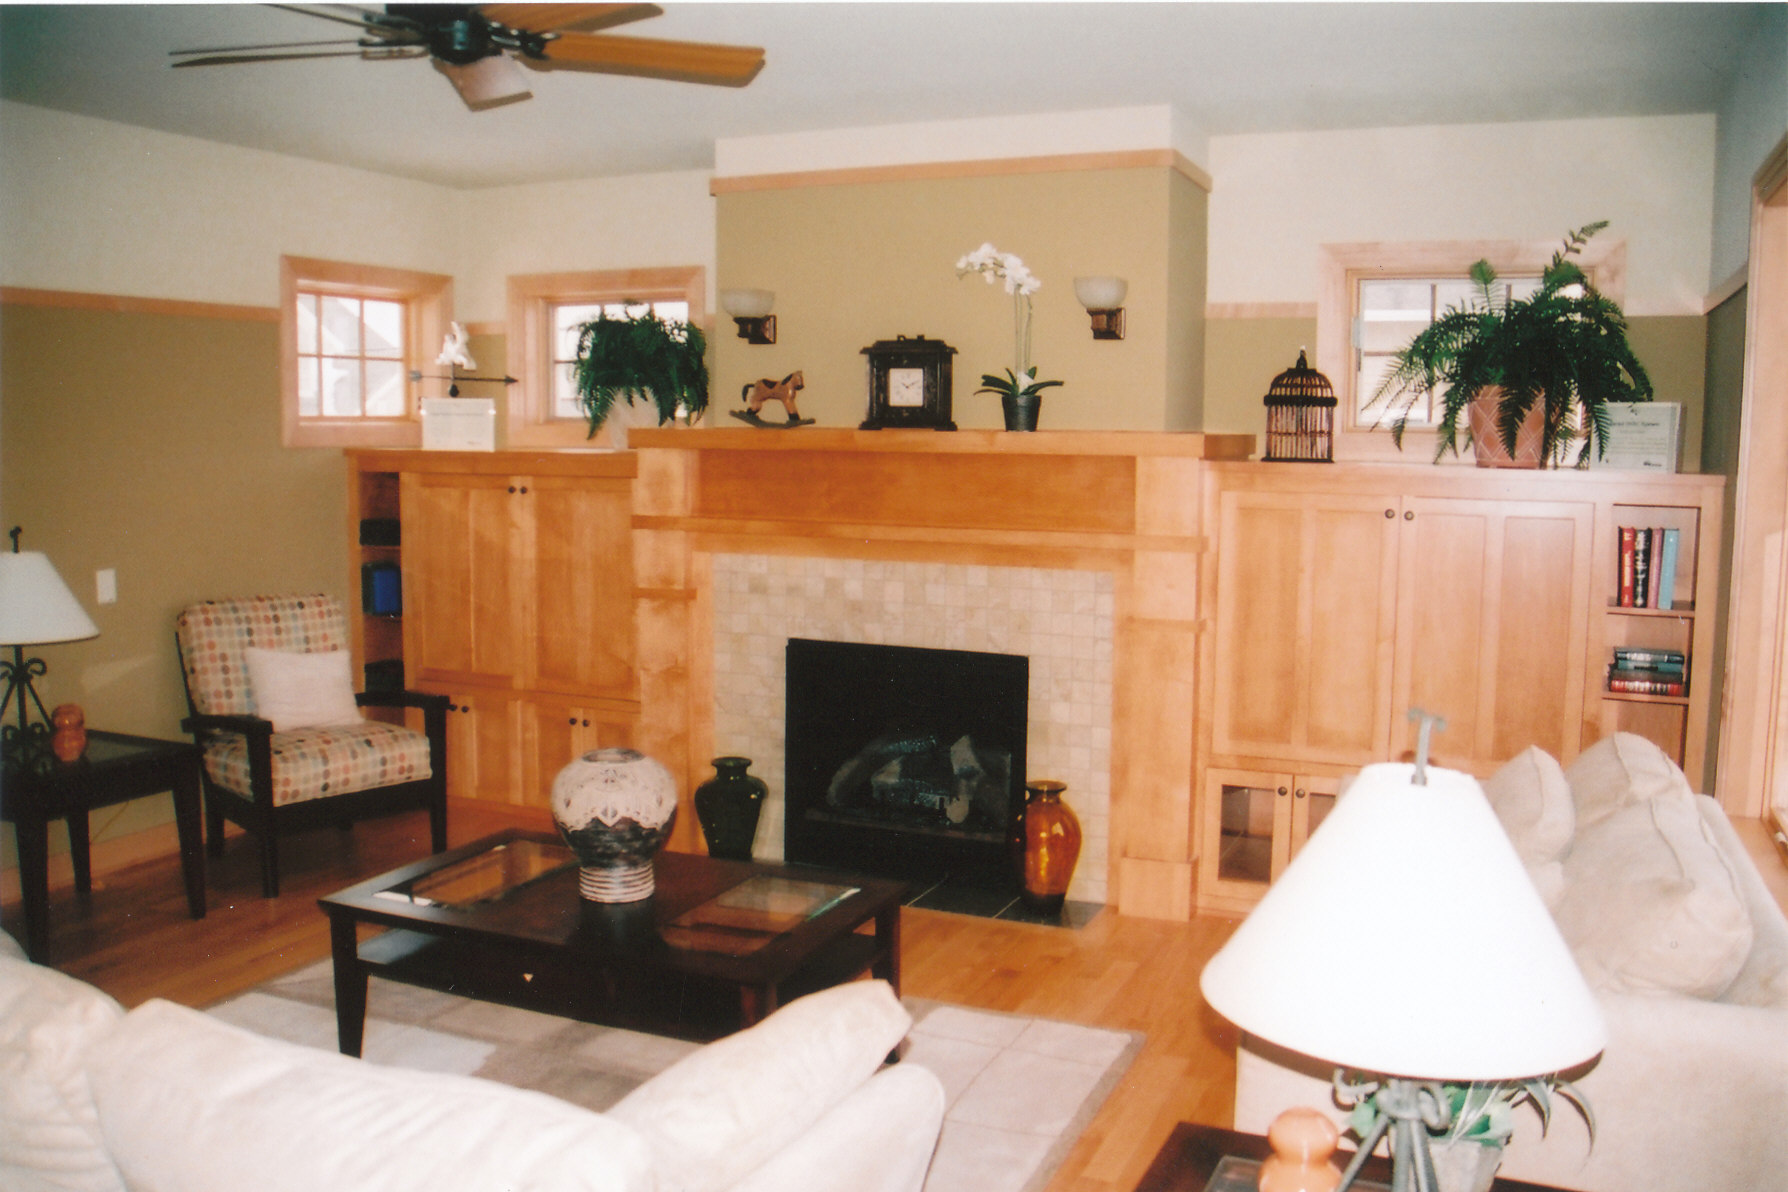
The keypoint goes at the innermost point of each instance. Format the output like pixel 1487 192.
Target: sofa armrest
pixel 878 1139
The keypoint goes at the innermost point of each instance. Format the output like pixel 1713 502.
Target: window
pixel 545 312
pixel 1372 300
pixel 350 338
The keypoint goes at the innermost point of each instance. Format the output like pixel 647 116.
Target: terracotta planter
pixel 1486 436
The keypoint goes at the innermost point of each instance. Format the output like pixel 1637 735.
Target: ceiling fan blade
pixel 487 83
pixel 230 60
pixel 689 61
pixel 277 45
pixel 551 18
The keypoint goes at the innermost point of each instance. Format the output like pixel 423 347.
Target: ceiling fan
pixel 478 46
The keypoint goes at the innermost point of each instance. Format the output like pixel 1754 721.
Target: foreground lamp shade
pixel 36 607
pixel 1406 939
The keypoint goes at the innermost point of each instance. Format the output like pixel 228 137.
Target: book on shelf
pixel 1635 682
pixel 1667 566
pixel 1647 566
pixel 1636 658
pixel 1641 566
pixel 1629 538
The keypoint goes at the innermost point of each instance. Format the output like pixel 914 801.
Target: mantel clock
pixel 909 384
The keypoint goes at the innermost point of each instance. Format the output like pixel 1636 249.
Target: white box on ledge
pixel 459 424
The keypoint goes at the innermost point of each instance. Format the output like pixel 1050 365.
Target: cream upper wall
pixel 1277 197
pixel 97 207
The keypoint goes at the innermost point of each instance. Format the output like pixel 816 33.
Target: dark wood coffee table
pixel 1189 1158
pixel 719 945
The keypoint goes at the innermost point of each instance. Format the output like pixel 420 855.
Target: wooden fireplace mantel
pixel 1122 502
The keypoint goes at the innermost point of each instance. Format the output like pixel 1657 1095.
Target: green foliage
pixel 1010 386
pixel 641 357
pixel 1482 1111
pixel 1563 347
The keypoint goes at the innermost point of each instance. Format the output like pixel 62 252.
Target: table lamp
pixel 36 608
pixel 1406 941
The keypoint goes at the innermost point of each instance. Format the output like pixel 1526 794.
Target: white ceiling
pixel 1227 68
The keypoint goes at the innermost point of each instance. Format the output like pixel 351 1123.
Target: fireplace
pixel 905 761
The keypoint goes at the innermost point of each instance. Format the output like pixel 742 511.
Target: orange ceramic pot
pixel 1051 846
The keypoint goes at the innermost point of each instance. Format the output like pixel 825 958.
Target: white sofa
pixel 1687 953
pixel 168 1099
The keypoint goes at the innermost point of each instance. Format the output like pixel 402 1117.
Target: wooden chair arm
pixel 425 700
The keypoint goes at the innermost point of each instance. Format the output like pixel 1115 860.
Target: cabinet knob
pixel 512 488
pixel 524 488
pixel 572 722
pixel 1390 513
pixel 453 707
pixel 1281 792
pixel 586 724
pixel 1409 515
pixel 1300 792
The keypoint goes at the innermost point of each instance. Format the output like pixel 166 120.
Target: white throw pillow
pixel 50 1136
pixel 192 1103
pixel 1621 770
pixel 297 691
pixel 1651 904
pixel 1532 799
pixel 717 1114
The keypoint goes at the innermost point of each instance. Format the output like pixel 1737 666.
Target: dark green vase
pixel 728 805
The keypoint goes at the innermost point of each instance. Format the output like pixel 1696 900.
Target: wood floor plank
pixel 134 940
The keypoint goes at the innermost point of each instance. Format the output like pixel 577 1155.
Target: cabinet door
pixel 558 731
pixel 464 617
pixel 583 642
pixel 1305 622
pixel 1492 623
pixel 1247 820
pixel 1312 798
pixel 481 746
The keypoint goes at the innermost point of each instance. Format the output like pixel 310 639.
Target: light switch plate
pixel 106 583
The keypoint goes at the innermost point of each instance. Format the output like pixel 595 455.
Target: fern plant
pixel 1564 348
pixel 640 357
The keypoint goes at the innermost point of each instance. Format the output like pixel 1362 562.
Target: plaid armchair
pixel 269 782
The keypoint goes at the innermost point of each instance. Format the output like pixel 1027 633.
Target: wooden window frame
pixel 428 310
pixel 532 421
pixel 1340 268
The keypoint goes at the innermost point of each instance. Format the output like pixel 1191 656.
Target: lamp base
pixel 17 675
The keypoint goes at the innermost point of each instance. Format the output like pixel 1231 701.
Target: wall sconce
pixel 1103 298
pixel 750 309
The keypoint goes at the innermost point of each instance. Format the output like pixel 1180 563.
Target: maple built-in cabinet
pixel 517 583
pixel 1343 596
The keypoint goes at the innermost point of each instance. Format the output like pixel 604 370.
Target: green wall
pixel 149 444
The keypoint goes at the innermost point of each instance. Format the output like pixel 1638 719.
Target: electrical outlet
pixel 106 582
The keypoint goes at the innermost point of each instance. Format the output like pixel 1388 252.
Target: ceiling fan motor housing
pixel 459 34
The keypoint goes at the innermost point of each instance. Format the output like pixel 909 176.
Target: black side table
pixel 116 767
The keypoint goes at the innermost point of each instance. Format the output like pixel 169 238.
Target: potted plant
pixel 1550 362
pixel 1469 1124
pixel 643 357
pixel 1020 391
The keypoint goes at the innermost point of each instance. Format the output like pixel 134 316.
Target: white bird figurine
pixel 453 349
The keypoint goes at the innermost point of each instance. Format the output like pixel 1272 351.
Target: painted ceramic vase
pixel 728 806
pixel 69 740
pixel 615 808
pixel 1051 846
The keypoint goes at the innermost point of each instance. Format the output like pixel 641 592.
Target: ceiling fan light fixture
pixel 488 82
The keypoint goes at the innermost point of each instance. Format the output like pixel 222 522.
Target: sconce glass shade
pixel 747 304
pixel 1406 939
pixel 36 607
pixel 1101 293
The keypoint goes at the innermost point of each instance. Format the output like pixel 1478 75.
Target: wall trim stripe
pixel 125 304
pixel 1260 310
pixel 982 168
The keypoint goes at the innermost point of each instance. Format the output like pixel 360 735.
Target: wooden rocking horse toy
pixel 759 393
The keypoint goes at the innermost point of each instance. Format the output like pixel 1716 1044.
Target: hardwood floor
pixel 134 940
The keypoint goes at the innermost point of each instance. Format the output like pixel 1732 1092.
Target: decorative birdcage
pixel 1301 416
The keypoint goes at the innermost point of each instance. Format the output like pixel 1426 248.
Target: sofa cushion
pixel 1651 905
pixel 1533 802
pixel 314 763
pixel 718 1113
pixel 193 1104
pixel 301 690
pixel 49 1129
pixel 1618 771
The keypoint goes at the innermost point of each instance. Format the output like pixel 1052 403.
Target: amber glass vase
pixel 1051 846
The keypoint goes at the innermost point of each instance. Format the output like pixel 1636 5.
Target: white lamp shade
pixel 35 605
pixel 1101 293
pixel 1406 939
pixel 747 304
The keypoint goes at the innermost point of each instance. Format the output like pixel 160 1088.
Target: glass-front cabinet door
pixel 1255 823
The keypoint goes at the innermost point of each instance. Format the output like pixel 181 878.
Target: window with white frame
pixel 1373 298
pixel 351 336
pixel 546 313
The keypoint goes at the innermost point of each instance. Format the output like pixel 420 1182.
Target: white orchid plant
pixel 1006 268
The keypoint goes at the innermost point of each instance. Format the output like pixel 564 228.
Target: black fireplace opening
pixel 906 762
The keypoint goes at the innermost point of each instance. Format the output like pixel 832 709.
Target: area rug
pixel 1020 1090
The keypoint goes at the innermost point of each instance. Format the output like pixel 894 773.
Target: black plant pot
pixel 1021 410
pixel 728 805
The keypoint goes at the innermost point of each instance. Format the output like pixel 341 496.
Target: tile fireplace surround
pixel 1081 550
pixel 1060 620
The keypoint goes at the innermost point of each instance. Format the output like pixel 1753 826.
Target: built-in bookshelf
pixel 376 533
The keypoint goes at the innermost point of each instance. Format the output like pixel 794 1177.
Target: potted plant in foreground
pixel 641 357
pixel 1534 375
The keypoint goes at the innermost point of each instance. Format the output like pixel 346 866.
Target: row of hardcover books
pixel 1648 566
pixel 1641 671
